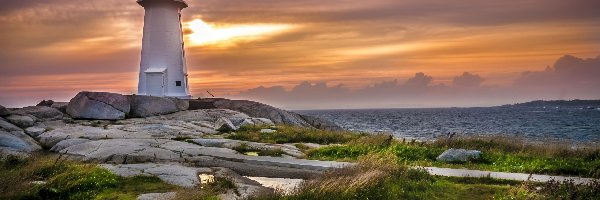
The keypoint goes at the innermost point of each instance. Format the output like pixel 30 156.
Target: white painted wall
pixel 162 50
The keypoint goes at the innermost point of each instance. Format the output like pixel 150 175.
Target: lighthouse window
pixel 177 83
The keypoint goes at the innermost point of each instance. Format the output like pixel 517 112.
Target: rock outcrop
pixel 3 111
pixel 259 110
pixel 146 106
pixel 46 103
pixel 170 173
pixel 17 141
pixel 225 125
pixel 61 106
pixel 7 126
pixel 459 155
pixel 320 123
pixel 98 105
pixel 41 112
pixel 255 109
pixel 22 121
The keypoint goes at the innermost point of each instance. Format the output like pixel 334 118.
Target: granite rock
pixel 4 111
pixel 41 112
pixel 146 106
pixel 22 121
pixel 98 105
pixel 18 141
pixel 459 155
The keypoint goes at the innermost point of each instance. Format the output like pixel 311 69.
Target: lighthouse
pixel 163 69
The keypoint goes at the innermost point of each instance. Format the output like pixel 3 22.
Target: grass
pixel 66 179
pixel 553 190
pixel 244 149
pixel 499 154
pixel 292 134
pixel 380 177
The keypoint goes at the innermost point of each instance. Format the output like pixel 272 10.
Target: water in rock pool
pixel 534 124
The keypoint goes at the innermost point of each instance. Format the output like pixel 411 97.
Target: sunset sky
pixel 314 54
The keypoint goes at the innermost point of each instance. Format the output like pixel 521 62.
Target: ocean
pixel 532 124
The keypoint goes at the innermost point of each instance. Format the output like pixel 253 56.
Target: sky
pixel 314 54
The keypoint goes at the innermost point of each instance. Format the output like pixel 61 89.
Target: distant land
pixel 577 103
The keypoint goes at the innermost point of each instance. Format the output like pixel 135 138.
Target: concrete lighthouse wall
pixel 163 69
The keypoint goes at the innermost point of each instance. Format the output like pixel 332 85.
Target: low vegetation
pixel 54 177
pixel 380 177
pixel 553 190
pixel 245 149
pixel 498 155
pixel 293 134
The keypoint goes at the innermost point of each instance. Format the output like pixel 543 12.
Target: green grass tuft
pixel 244 148
pixel 292 134
pixel 66 179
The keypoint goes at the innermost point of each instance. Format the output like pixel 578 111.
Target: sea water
pixel 543 124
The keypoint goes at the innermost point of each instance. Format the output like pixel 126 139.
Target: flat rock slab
pixel 41 112
pixel 502 175
pixel 170 173
pixel 288 149
pixel 286 185
pixel 124 129
pixel 187 177
pixel 158 196
pixel 129 151
pixel 281 162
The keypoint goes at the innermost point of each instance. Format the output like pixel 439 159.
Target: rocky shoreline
pixel 132 134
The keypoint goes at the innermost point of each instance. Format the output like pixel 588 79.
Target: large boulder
pixel 61 106
pixel 41 112
pixel 146 106
pixel 18 141
pixel 98 105
pixel 7 126
pixel 3 111
pixel 22 121
pixel 459 155
pixel 225 125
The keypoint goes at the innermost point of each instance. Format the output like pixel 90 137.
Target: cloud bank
pixel 569 78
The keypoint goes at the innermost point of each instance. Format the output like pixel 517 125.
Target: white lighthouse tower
pixel 163 69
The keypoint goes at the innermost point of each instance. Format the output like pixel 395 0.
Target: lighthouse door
pixel 155 84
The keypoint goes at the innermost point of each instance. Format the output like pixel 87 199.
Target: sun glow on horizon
pixel 208 34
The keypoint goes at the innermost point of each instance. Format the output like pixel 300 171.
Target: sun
pixel 207 34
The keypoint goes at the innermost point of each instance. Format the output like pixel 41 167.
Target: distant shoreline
pixel 577 103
